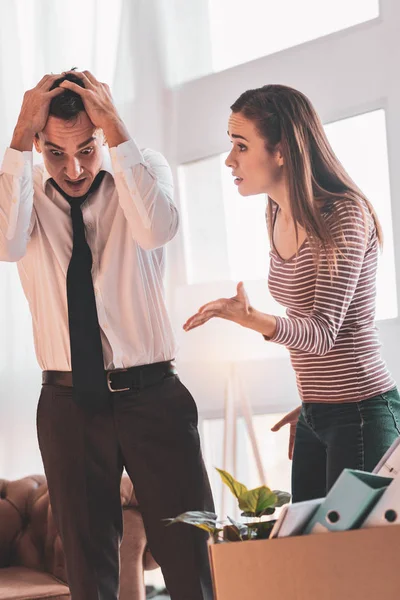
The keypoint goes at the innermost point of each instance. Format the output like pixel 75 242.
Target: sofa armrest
pixel 29 537
pixel 135 556
pixel 133 549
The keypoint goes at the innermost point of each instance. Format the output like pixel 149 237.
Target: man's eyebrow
pixel 54 145
pixel 85 143
pixel 239 137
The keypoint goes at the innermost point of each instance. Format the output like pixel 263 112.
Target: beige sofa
pixel 32 562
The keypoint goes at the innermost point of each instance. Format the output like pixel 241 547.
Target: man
pixel 88 230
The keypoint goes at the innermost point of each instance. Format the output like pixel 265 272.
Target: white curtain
pixel 111 38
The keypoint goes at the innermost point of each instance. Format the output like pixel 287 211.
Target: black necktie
pixel 90 388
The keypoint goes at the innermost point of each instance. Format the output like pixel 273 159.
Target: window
pixel 206 36
pixel 75 39
pixel 225 234
pixel 241 32
pixel 360 144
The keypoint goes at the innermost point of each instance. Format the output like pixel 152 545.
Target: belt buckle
pixel 109 373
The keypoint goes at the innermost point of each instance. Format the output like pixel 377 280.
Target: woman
pixel 325 239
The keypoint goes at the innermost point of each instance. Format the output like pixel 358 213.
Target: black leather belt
pixel 119 380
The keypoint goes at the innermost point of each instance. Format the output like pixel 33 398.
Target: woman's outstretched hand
pixel 236 309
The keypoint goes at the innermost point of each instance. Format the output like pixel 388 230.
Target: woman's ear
pixel 279 155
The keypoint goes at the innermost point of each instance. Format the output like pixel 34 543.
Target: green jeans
pixel 333 436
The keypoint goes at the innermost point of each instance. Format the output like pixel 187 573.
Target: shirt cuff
pixel 281 334
pixel 125 156
pixel 16 163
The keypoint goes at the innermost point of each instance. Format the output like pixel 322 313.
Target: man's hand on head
pixel 34 112
pixel 99 106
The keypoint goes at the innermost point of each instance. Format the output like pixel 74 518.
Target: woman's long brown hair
pixel 316 178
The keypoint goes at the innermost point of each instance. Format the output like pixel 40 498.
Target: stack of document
pixel 387 510
pixel 356 500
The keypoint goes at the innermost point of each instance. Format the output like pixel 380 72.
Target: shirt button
pixel 105 326
pixel 14 200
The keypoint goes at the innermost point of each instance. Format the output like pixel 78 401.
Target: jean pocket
pixel 392 396
pixel 392 400
pixel 393 403
pixel 386 405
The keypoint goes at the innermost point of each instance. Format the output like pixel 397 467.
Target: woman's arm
pixel 315 333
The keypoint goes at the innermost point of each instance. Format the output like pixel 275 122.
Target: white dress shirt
pixel 128 221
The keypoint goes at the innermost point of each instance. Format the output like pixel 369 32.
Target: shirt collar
pixel 105 166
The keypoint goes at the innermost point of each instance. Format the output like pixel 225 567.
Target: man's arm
pixel 145 191
pixel 16 184
pixel 144 181
pixel 16 202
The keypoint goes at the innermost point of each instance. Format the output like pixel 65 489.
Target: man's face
pixel 71 152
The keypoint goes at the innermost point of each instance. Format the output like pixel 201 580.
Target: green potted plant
pixel 257 506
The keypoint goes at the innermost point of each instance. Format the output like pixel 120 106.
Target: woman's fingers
pixel 292 438
pixel 214 305
pixel 285 421
pixel 289 419
pixel 197 320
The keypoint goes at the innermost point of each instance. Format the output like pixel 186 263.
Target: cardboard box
pixel 351 565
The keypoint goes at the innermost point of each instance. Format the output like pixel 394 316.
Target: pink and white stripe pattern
pixel 329 329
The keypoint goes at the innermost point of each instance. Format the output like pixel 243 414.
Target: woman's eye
pixel 56 153
pixel 242 147
pixel 87 151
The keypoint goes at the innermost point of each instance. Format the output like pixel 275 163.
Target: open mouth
pixel 238 180
pixel 76 185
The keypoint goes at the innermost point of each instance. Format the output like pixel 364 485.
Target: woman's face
pixel 256 170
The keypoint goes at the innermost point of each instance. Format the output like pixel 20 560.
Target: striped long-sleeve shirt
pixel 329 329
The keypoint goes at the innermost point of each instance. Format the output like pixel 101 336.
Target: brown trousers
pixel 152 432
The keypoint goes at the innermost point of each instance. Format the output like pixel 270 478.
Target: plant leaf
pixel 257 500
pixel 241 527
pixel 231 534
pixel 268 511
pixel 266 499
pixel 282 497
pixel 202 519
pixel 248 502
pixel 237 488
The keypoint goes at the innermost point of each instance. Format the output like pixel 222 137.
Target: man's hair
pixel 67 104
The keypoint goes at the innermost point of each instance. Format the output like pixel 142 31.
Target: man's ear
pixel 102 137
pixel 37 144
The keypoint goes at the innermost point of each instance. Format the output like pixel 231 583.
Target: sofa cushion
pixel 20 583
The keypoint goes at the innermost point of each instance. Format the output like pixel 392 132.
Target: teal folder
pixel 348 502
